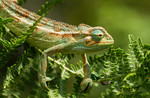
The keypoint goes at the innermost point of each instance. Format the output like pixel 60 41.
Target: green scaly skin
pixel 53 37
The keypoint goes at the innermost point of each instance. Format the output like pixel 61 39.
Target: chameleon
pixel 52 37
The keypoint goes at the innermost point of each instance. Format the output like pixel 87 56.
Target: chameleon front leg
pixel 42 75
pixel 86 84
pixel 48 52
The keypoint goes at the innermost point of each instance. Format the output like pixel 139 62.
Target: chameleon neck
pixel 12 10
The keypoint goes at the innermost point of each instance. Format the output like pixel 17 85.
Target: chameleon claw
pixel 86 84
pixel 48 79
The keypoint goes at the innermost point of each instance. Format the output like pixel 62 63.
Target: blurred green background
pixel 119 17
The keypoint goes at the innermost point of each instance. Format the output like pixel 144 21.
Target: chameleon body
pixel 52 36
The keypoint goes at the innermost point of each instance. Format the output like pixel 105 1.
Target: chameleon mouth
pixel 100 43
pixel 106 41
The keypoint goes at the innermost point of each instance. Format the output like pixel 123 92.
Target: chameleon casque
pixel 53 37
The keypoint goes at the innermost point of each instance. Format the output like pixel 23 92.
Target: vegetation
pixel 126 74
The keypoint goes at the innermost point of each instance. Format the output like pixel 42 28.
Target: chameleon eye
pixel 97 34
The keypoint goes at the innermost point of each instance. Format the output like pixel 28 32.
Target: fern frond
pixel 22 76
pixel 108 94
pixel 78 68
pixel 57 87
pixel 77 93
pixel 21 1
pixel 136 50
pixel 48 6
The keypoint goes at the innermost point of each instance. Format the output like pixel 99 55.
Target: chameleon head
pixel 99 36
pixel 94 39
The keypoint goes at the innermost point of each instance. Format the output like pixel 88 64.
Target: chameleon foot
pixel 44 80
pixel 43 83
pixel 86 84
